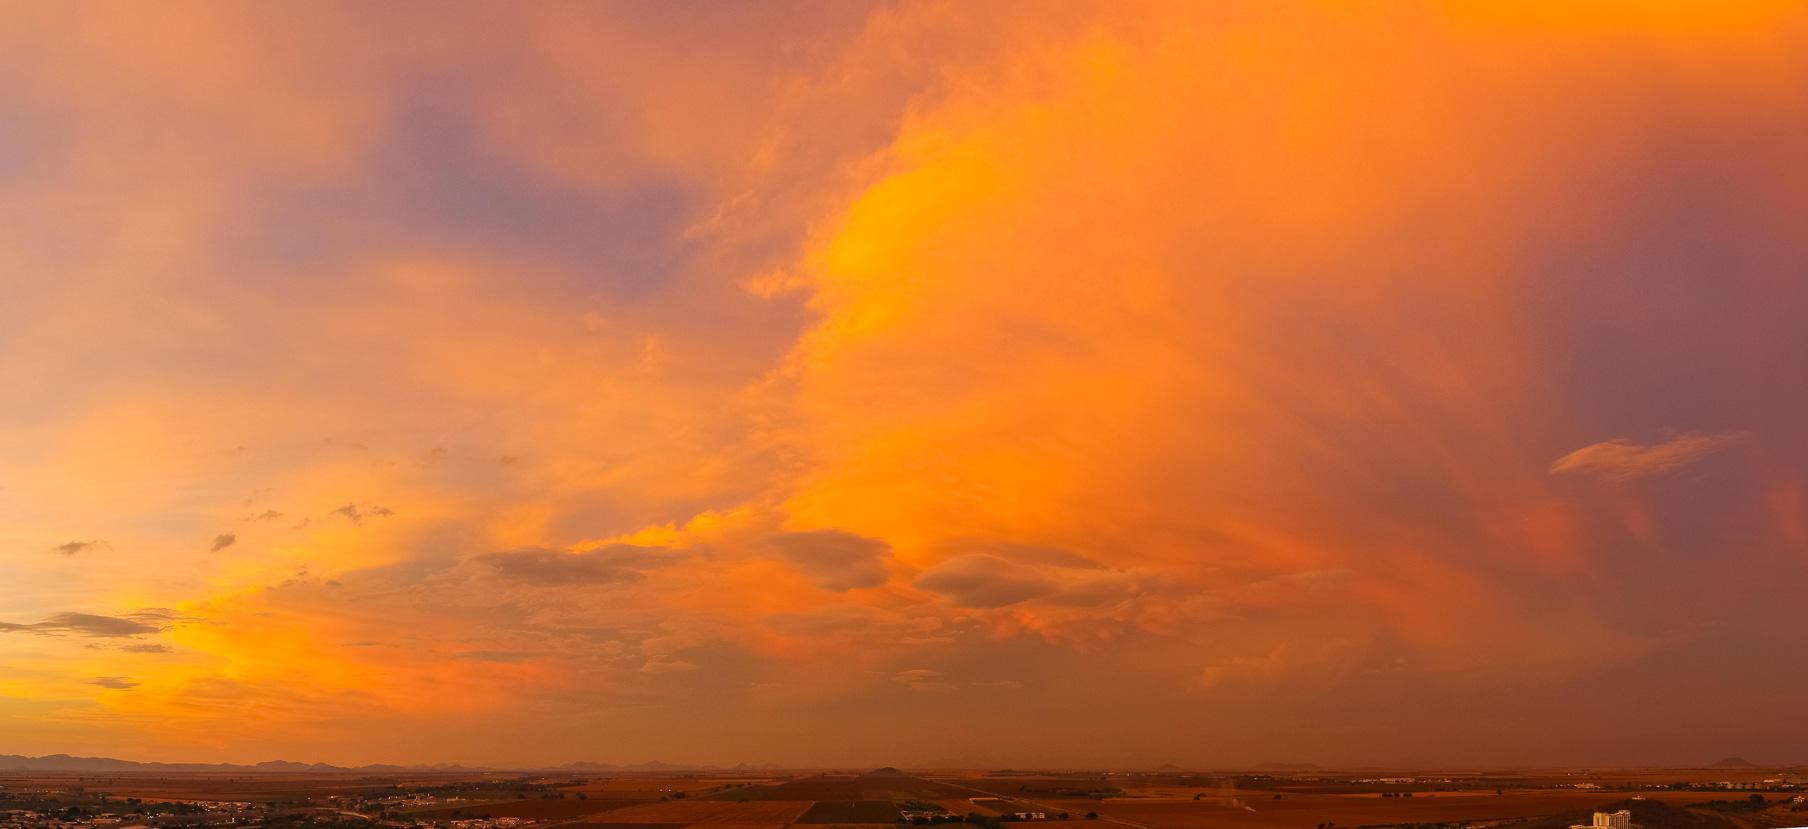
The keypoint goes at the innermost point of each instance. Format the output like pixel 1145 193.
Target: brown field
pixel 535 809
pixel 711 811
pixel 656 784
pixel 846 787
pixel 1254 810
pixel 961 806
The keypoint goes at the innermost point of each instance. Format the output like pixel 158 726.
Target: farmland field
pixel 846 787
pixel 532 809
pixel 962 806
pixel 654 785
pixel 1260 811
pixel 851 811
pixel 711 811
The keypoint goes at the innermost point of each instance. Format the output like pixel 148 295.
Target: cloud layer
pixel 659 379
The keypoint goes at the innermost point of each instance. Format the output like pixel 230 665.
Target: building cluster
pixel 488 823
pixel 1621 819
pixel 411 800
pixel 211 813
pixel 1767 785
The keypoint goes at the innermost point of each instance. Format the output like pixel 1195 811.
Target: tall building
pixel 1621 819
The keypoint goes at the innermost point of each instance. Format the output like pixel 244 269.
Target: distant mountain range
pixel 64 762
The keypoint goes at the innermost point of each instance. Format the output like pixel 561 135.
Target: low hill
pixel 888 771
pixel 1734 763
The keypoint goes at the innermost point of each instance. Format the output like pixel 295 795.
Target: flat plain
pixel 780 812
pixel 1509 799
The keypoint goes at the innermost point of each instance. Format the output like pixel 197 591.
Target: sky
pixel 847 382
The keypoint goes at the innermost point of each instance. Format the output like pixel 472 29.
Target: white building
pixel 1621 819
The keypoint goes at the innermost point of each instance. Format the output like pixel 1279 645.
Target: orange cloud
pixel 1207 351
pixel 1623 460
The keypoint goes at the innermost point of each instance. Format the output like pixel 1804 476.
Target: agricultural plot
pixel 1255 810
pixel 846 787
pixel 532 809
pixel 851 811
pixel 649 784
pixel 963 806
pixel 711 811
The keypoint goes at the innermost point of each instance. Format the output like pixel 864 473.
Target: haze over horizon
pixel 1409 383
pixel 1130 764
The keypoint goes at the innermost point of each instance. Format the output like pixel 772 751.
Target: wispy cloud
pixel 1623 460
pixel 505 657
pixel 667 666
pixel 923 681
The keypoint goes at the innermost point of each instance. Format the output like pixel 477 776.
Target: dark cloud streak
pixel 541 567
pixel 835 560
pixel 89 624
pixel 70 548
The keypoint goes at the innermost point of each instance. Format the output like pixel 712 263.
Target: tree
pixel 1092 815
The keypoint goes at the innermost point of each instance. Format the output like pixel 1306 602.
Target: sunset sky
pixel 840 382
